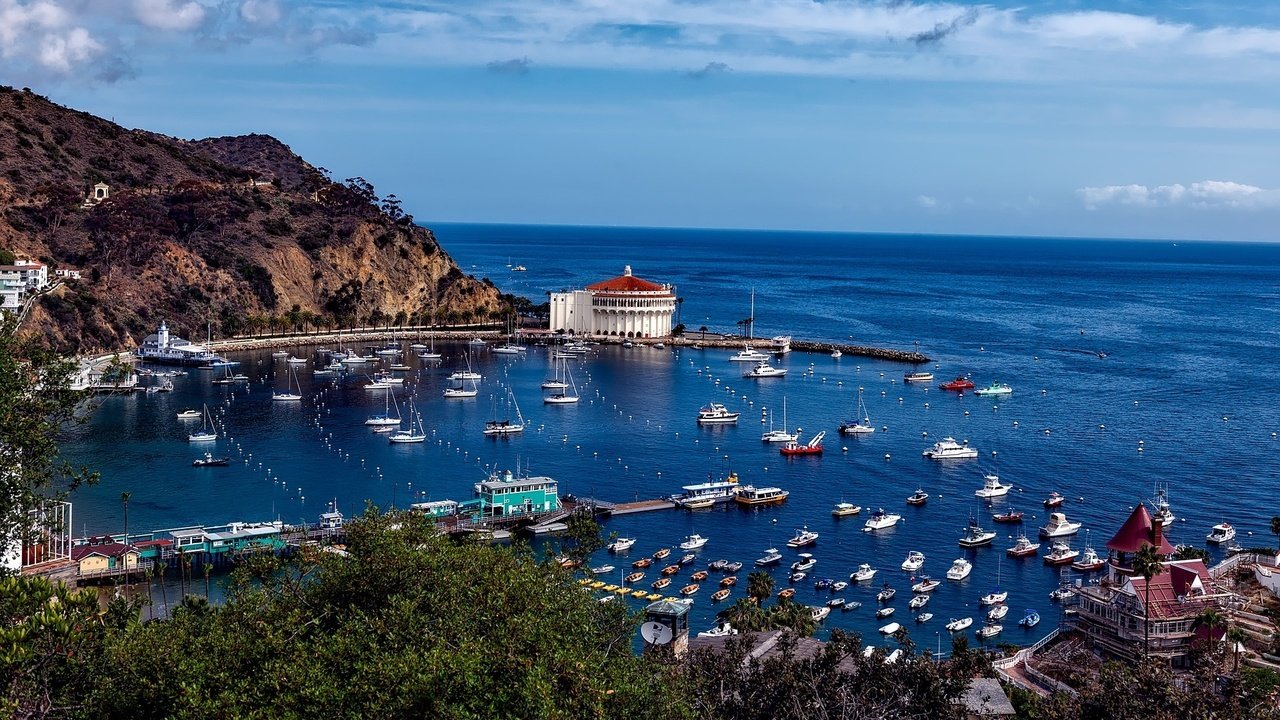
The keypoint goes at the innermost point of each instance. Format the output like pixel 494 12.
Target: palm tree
pixel 1147 563
pixel 164 594
pixel 124 499
pixel 1236 636
pixel 746 616
pixel 759 586
pixel 1275 529
pixel 208 568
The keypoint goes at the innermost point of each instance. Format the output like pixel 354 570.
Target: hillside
pixel 239 232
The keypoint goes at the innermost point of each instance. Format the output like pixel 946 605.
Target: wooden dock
pixel 632 508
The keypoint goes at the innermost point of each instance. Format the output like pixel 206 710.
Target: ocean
pixel 1133 364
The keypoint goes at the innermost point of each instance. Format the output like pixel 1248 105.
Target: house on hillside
pixel 19 280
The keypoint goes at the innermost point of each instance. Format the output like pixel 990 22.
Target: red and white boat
pixel 1024 548
pixel 1061 554
pixel 960 383
pixel 813 447
pixel 1054 500
pixel 1009 516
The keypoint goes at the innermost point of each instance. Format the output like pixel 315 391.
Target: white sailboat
pixel 563 396
pixel 862 425
pixel 556 381
pixel 505 427
pixel 782 436
pixel 386 418
pixel 207 431
pixel 289 394
pixel 462 391
pixel 415 432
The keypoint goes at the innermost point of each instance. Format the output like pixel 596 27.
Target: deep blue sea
pixel 1186 395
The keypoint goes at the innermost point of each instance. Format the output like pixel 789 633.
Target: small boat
pixel 642 563
pixel 1023 548
pixel 693 542
pixel 839 586
pixel 751 496
pixel 863 573
pixel 845 509
pixel 851 605
pixel 1030 620
pixel 836 603
pixel 734 566
pixel 918 497
pixel 813 447
pixel 975 535
pixel 189 415
pixel 724 630
pixel 836 354
pixel 786 593
pixel 1221 533
pixel 764 370
pixel 1089 561
pixel 989 631
pixel 477 342
pixel 720 594
pixel 885 612
pixel 924 617
pixel 716 414
pixel 507 425
pixel 290 394
pixel 699 576
pixel 914 561
pixel 823 584
pixel 796 577
pixel 1008 516
pixel 995 597
pixel 917 377
pixel 749 354
pixel 960 383
pixel 1061 594
pixel 803 538
pixel 891 628
pixel 729 581
pixel 958 625
pixel 1060 554
pixel 688 559
pixel 208 431
pixel 918 602
pixel 1059 526
pixel 279 354
pixel 770 557
pixel 671 570
pixel 820 613
pixel 1054 500
pixel 602 570
pixel 959 569
pixel 662 553
pixel 998 612
pixel 1163 513
pixel 886 593
pixel 880 520
pixel 634 577
pixel 949 449
pixel 210 461
pixel 926 585
pixel 691 589
pixel 805 563
pixel 859 427
pixel 991 487
pixel 717 564
pixel 295 360
pixel 994 389
pixel 621 544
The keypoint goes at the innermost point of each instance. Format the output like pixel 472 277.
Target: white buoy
pixel 886 456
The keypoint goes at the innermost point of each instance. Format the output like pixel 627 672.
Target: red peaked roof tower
pixel 1140 529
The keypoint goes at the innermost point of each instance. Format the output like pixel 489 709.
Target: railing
pixel 1221 569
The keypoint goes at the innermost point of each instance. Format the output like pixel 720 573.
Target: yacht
pixel 770 557
pixel 975 535
pixel 991 487
pixel 385 419
pixel 864 573
pixel 749 354
pixel 781 344
pixel 1221 533
pixel 563 396
pixel 505 426
pixel 914 561
pixel 710 493
pixel 924 617
pixel 1023 548
pixel 1060 554
pixel 858 427
pixel 917 377
pixel 190 415
pixel 462 391
pixel 716 414
pixel 995 389
pixel 1059 526
pixel 208 432
pixel 764 370
pixel 845 509
pixel 880 520
pixel 752 495
pixel 414 434
pixel 1089 561
pixel 926 585
pixel 949 449
pixel 805 563
pixel 959 569
pixel 803 538
pixel 1163 513
pixel 958 625
pixel 460 375
pixel 509 349
pixel 290 394
pixel 621 544
pixel 693 542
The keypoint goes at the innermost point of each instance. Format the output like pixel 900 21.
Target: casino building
pixel 624 306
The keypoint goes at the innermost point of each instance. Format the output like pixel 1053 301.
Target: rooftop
pixel 1137 531
pixel 626 282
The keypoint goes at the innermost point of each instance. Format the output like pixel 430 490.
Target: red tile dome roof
pixel 626 282
pixel 1137 531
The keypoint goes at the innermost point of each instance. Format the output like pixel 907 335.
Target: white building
pixel 18 280
pixel 624 306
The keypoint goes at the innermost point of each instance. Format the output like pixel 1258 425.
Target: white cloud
pixel 169 15
pixel 927 202
pixel 260 12
pixel 1204 194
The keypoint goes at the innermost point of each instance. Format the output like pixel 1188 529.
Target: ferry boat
pixel 1023 548
pixel 707 493
pixel 917 377
pixel 959 569
pixel 803 538
pixel 770 557
pixel 845 509
pixel 918 497
pixel 1221 533
pixel 960 383
pixel 749 354
pixel 926 585
pixel 1059 526
pixel 693 542
pixel 949 449
pixel 914 561
pixel 715 413
pixel 864 573
pixel 621 544
pixel 764 370
pixel 751 496
pixel 1060 554
pixel 1008 516
pixel 975 535
pixel 880 520
pixel 958 625
pixel 991 487
pixel 813 447
pixel 1054 500
pixel 781 344
pixel 161 347
pixel 995 389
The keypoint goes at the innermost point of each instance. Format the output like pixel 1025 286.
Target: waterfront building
pixel 437 508
pixel 505 494
pixel 1117 614
pixel 624 306
pixel 103 556
pixel 19 280
pixel 161 347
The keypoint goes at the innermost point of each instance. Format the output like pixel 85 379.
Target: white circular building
pixel 624 306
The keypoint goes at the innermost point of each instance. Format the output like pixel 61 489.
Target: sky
pixel 1130 118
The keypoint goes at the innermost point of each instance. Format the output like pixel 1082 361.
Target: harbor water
pixel 1133 364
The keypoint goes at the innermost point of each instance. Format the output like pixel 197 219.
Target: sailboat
pixel 997 595
pixel 385 419
pixel 289 395
pixel 510 347
pixel 415 433
pixel 462 377
pixel 430 354
pixel 505 427
pixel 562 397
pixel 782 435
pixel 862 426
pixel 207 431
pixel 556 381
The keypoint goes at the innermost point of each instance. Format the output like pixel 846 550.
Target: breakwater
pixel 729 342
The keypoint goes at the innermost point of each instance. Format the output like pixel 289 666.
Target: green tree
pixel 759 586
pixel 582 536
pixel 47 634
pixel 1147 563
pixel 1235 639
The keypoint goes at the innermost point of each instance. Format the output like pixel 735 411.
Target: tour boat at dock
pixel 707 493
pixel 751 496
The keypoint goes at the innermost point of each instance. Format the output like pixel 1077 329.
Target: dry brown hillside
pixel 239 232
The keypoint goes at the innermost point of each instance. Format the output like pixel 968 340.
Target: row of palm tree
pixel 298 320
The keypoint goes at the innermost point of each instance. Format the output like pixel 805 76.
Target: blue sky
pixel 1122 119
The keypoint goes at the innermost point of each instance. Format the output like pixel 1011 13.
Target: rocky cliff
pixel 236 232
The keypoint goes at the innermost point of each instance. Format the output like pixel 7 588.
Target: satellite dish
pixel 655 633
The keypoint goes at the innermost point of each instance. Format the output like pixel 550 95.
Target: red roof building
pixel 622 306
pixel 1137 531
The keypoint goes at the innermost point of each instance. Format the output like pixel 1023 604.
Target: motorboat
pixel 845 509
pixel 914 561
pixel 621 544
pixel 693 542
pixel 796 577
pixel 210 461
pixel 764 370
pixel 994 597
pixel 1023 548
pixel 786 593
pixel 839 586
pixel 998 612
pixel 990 630
pixel 862 426
pixel 688 559
pixel 1221 533
pixel 724 630
pixel 994 389
pixel 803 538
pixel 279 354
pixel 961 624
pixel 924 617
pixel 295 360
pixel 733 567
pixel 991 487
pixel 880 520
pixel 805 563
pixel 864 573
pixel 751 496
pixel 189 415
pixel 749 354
pixel 781 344
pixel 1089 561
pixel 926 585
pixel 850 605
pixel 886 593
pixel 708 493
pixel 716 414
pixel 1030 620
pixel 836 354
pixel 917 377
pixel 1162 513
pixel 975 535
pixel 602 569
pixel 1054 500
pixel 885 612
pixel 820 613
pixel 717 564
pixel 836 602
pixel 959 569
pixel 813 447
pixel 477 342
pixel 949 449
pixel 918 497
pixel 960 383
pixel 1060 554
pixel 823 584
pixel 1062 594
pixel 1059 526
pixel 918 602
pixel 1008 516
pixel 770 557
